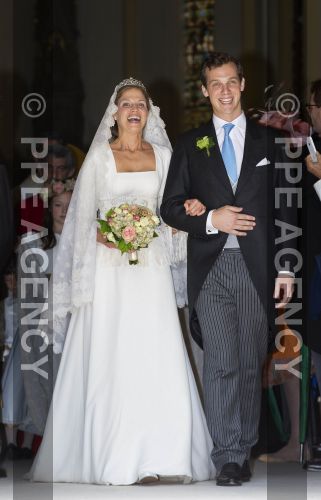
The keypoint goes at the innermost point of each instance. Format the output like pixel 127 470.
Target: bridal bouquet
pixel 129 227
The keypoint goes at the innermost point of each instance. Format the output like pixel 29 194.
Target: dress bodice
pixel 141 188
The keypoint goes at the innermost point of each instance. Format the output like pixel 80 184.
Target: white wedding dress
pixel 125 404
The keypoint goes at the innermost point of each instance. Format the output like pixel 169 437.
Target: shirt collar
pixel 239 122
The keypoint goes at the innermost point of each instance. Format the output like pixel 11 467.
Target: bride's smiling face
pixel 132 110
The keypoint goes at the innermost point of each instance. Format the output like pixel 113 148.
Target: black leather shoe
pixel 246 473
pixel 230 475
pixel 313 465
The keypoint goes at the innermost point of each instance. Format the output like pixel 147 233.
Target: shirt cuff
pixel 317 187
pixel 210 229
pixel 289 273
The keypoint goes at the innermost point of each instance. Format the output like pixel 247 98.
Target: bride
pixel 125 407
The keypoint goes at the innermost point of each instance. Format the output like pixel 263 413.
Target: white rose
pixel 144 221
pixel 111 237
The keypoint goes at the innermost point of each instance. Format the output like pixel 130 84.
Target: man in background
pixel 312 181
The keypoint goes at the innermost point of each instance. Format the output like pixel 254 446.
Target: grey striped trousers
pixel 234 331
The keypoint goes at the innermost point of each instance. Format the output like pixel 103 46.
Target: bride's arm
pixel 194 207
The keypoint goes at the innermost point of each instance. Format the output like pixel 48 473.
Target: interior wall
pixel 228 28
pixel 16 71
pixel 252 33
pixel 142 38
pixel 124 38
pixel 312 39
pixel 267 47
pixel 153 35
pixel 6 79
pixel 100 52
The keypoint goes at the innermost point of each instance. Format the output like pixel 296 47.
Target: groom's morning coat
pixel 194 174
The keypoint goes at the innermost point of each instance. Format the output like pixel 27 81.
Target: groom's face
pixel 224 88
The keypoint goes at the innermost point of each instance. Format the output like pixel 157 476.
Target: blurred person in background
pixel 38 388
pixel 61 166
pixel 6 246
pixel 312 205
pixel 26 394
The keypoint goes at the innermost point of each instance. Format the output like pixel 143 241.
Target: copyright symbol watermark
pixel 33 105
pixel 287 105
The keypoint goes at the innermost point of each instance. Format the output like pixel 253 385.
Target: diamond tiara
pixel 130 82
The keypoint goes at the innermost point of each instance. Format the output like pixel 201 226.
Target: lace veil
pixel 154 131
pixel 74 266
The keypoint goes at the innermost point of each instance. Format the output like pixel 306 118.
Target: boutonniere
pixel 205 142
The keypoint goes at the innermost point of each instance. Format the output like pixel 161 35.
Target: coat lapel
pixel 215 161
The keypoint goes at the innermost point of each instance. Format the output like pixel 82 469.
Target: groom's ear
pixel 205 93
pixel 242 84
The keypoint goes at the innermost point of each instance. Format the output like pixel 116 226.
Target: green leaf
pixel 205 142
pixel 211 142
pixel 122 246
pixel 104 226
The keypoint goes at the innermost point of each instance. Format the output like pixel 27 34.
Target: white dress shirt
pixel 237 136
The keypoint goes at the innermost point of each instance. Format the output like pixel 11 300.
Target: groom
pixel 229 164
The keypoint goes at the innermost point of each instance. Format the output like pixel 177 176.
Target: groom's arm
pixel 177 191
pixel 227 219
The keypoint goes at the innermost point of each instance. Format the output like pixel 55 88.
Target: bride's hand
pixel 102 239
pixel 194 207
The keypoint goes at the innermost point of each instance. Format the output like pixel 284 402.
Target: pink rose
pixel 58 187
pixel 128 233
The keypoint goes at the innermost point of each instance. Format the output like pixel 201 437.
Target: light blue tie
pixel 228 154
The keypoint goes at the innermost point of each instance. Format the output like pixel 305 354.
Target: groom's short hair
pixel 217 59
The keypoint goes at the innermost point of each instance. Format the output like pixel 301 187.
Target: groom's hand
pixel 229 219
pixel 283 290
